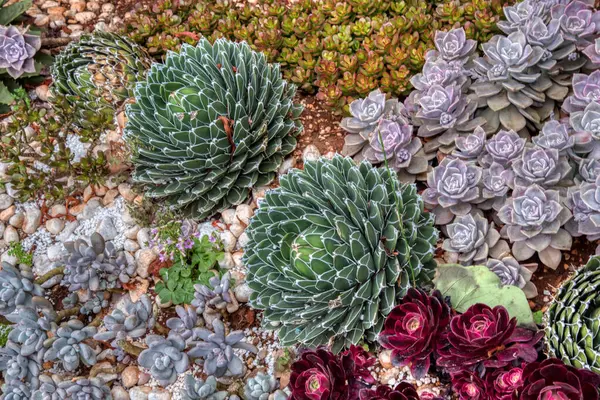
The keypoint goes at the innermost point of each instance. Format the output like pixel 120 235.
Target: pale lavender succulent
pixel 586 89
pixel 547 36
pixel 17 288
pixel 132 322
pixel 185 323
pixel 366 115
pixel 469 147
pixel 509 57
pixel 533 218
pixel 555 135
pixel 16 390
pixel 470 236
pixel 70 345
pixel 586 212
pixel 49 389
pixel 589 169
pixel 200 389
pixel 393 142
pixel 438 72
pixel 216 296
pixel 165 358
pixel 453 46
pixel 518 15
pixel 28 333
pixel 593 53
pixel 504 147
pixel 17 49
pixel 578 21
pixel 216 348
pixel 544 167
pixel 511 273
pixel 453 185
pixel 85 389
pixel 496 181
pixel 587 120
pixel 14 365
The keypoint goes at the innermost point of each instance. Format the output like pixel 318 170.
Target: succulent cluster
pixel 164 357
pixel 97 73
pixel 216 349
pixel 199 389
pixel 379 132
pixel 570 326
pixel 69 345
pixel 131 323
pixel 333 249
pixel 96 266
pixel 215 298
pixel 16 288
pixel 223 126
pixel 345 50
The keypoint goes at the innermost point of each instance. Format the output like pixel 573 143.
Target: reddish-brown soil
pixel 548 281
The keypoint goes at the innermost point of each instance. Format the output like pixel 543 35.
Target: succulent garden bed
pixel 299 200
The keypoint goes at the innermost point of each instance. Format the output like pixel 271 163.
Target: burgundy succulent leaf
pixel 504 384
pixel 403 391
pixel 485 337
pixel 469 386
pixel 318 375
pixel 552 379
pixel 356 362
pixel 413 329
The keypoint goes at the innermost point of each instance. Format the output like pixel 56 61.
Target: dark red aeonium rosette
pixel 551 379
pixel 356 362
pixel 318 375
pixel 485 337
pixel 413 329
pixel 504 384
pixel 403 391
pixel 469 386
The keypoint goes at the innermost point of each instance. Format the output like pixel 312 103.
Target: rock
pixel 57 210
pixel 56 252
pixel 143 237
pixel 242 292
pixel 237 259
pixel 33 219
pixel 108 8
pixel 49 3
pixel 88 192
pixel 68 230
pixel 126 192
pixel 41 20
pixel 6 214
pixel 259 192
pixel 310 153
pixel 139 392
pixel 159 394
pixel 226 262
pixel 145 257
pixel 144 378
pixel 8 258
pixel 243 240
pixel 50 283
pixel 111 183
pixel 77 210
pixel 78 6
pixel 130 376
pixel 244 212
pixel 106 228
pixel 11 234
pixel 2 229
pixel 228 216
pixel 132 232
pixel 110 196
pixel 228 240
pixel 93 6
pixel 286 165
pixel 385 358
pixel 55 225
pixel 237 229
pixel 17 220
pixel 163 304
pixel 99 190
pixel 118 393
pixel 131 245
pixel 127 218
pixel 5 201
pixel 42 92
pixel 90 209
pixel 85 17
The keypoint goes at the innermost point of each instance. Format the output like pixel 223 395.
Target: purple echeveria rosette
pixel 17 49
